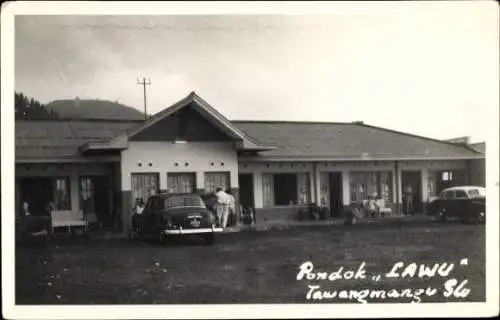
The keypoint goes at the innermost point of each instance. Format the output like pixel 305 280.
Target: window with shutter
pixel 144 185
pixel 213 180
pixel 375 183
pixel 303 187
pixel 62 193
pixel 181 182
pixel 268 189
pixel 324 189
pixel 87 196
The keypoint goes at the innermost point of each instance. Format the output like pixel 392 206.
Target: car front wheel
pixel 162 238
pixel 440 216
pixel 481 217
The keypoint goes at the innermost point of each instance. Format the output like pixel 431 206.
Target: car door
pixel 147 215
pixel 446 203
pixel 156 220
pixel 460 202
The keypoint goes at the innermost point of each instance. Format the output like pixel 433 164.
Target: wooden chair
pixel 383 210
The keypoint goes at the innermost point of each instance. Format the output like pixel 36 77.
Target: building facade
pixel 99 167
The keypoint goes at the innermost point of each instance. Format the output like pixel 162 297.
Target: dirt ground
pixel 257 267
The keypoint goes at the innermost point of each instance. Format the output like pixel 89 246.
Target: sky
pixel 425 68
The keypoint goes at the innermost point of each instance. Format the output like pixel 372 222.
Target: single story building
pixel 102 166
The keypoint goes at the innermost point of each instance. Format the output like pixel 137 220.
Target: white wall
pixel 345 168
pixel 258 168
pixel 164 155
pixel 423 167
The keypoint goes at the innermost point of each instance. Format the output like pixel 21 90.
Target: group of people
pixel 370 207
pixel 223 205
pixel 34 221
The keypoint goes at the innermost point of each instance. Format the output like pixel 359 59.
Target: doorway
pixel 246 190
pixel 411 182
pixel 285 189
pixel 95 199
pixel 102 204
pixel 335 186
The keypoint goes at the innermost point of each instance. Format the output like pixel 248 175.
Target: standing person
pixel 222 207
pixel 408 198
pixel 48 212
pixel 25 210
pixel 137 213
pixel 232 207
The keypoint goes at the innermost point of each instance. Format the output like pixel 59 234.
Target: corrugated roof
pixel 345 141
pixel 61 138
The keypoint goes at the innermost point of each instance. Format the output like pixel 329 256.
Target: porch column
pixel 117 203
pixel 398 208
pixel 425 192
pixel 317 184
pixel 312 188
pixel 74 189
pixel 235 191
pixel 257 190
pixel 200 181
pixel 126 196
pixel 346 190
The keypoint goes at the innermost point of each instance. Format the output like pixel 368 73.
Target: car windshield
pixel 474 193
pixel 183 201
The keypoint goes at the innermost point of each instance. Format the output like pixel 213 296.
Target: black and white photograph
pixel 250 159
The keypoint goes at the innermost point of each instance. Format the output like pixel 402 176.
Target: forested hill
pixel 94 109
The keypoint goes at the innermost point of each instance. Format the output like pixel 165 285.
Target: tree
pixel 31 109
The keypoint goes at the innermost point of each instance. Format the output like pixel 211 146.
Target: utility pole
pixel 144 82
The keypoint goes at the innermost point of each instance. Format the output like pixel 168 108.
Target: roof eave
pixel 272 158
pixel 113 145
pixel 246 145
pixel 72 159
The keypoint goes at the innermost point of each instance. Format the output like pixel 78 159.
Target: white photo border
pixel 10 9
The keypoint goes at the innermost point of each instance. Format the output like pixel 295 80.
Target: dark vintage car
pixel 467 203
pixel 174 215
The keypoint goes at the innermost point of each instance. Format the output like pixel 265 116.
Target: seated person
pixel 357 210
pixel 33 222
pixel 372 207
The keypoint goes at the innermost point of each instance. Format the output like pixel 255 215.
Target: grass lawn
pixel 250 267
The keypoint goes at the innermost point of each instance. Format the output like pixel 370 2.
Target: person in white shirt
pixel 223 202
pixel 137 213
pixel 372 207
pixel 232 205
pixel 139 206
pixel 408 197
pixel 26 209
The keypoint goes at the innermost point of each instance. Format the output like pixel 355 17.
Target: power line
pixel 144 82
